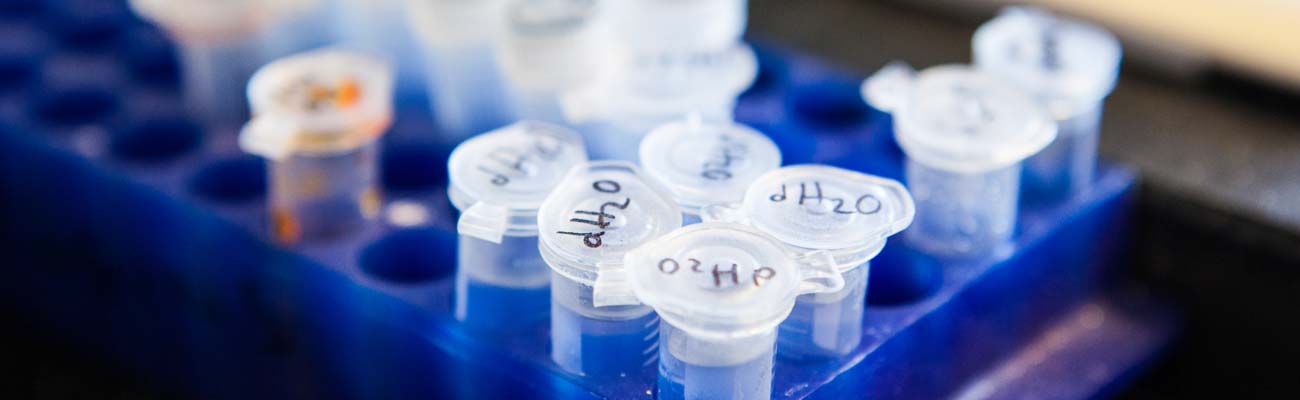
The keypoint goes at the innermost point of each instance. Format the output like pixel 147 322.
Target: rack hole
pixel 76 106
pixel 901 277
pixel 410 256
pixel 829 103
pixel 233 180
pixel 157 140
pixel 414 167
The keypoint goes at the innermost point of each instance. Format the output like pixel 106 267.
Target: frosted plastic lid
pixel 707 163
pixel 956 118
pixel 499 179
pixel 667 88
pixel 1070 64
pixel 216 20
pixel 601 210
pixel 849 214
pixel 718 279
pixel 679 24
pixel 552 43
pixel 456 23
pixel 318 102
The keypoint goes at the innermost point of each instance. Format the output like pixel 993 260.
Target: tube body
pixel 826 325
pixel 962 214
pixel 692 367
pixel 501 288
pixel 599 342
pixel 1066 167
pixel 467 91
pixel 320 197
pixel 214 77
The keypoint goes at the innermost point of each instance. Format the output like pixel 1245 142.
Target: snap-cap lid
pixel 499 179
pixel 718 279
pixel 707 163
pixel 1070 64
pixel 956 118
pixel 318 102
pixel 665 88
pixel 679 24
pixel 599 211
pixel 817 207
pixel 216 20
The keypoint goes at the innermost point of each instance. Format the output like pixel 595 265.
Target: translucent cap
pixel 601 210
pixel 817 207
pixel 499 179
pixel 1070 64
pixel 216 20
pixel 679 24
pixel 319 102
pixel 668 88
pixel 456 23
pixel 959 119
pixel 552 43
pixel 718 279
pixel 707 163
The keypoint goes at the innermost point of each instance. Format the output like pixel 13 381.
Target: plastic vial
pixel 668 58
pixel 965 133
pixel 720 290
pixel 466 86
pixel 845 213
pixel 498 181
pixel 1070 67
pixel 221 44
pixel 316 118
pixel 550 47
pixel 599 212
pixel 706 163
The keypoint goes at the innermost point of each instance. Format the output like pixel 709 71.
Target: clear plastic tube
pixel 848 214
pixel 498 181
pixel 965 133
pixel 1070 67
pixel 721 289
pixel 550 47
pixel 599 212
pixel 317 117
pixel 694 367
pixel 466 86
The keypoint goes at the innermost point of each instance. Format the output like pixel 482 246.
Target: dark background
pixel 1219 218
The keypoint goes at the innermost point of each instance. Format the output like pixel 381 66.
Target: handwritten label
pixel 503 164
pixel 722 276
pixel 727 152
pixel 602 217
pixel 811 193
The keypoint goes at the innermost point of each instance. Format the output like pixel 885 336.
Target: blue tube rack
pixel 134 232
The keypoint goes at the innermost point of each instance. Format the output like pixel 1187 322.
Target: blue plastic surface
pixel 134 232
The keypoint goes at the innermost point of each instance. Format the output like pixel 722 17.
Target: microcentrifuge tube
pixel 1070 67
pixel 316 118
pixel 720 289
pixel 845 213
pixel 706 163
pixel 550 47
pixel 466 86
pixel 498 181
pixel 668 59
pixel 965 133
pixel 599 212
pixel 221 44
